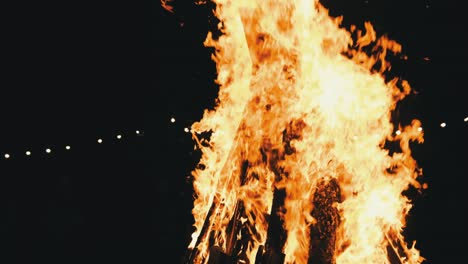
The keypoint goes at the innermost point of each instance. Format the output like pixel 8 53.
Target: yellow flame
pixel 286 64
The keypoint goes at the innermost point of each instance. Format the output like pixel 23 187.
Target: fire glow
pixel 303 113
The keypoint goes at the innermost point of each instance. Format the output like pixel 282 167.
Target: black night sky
pixel 74 72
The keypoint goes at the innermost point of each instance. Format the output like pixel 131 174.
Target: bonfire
pixel 295 167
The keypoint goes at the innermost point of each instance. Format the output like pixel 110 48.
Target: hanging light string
pixel 172 120
pixel 49 151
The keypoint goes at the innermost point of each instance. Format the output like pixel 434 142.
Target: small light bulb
pixel 443 125
pixel 419 129
pixel 48 150
pixel 119 136
pixel 137 132
pixel 466 119
pixel 28 153
pixel 186 130
pixel 398 132
pixel 172 120
pixel 7 156
pixel 67 147
pixel 99 141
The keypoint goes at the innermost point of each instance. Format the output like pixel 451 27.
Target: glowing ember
pixel 166 5
pixel 303 110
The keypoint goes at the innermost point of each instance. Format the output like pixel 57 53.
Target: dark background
pixel 76 71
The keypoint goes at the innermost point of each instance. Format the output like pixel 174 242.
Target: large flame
pixel 303 101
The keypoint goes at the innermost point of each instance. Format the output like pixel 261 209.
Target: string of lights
pixel 49 150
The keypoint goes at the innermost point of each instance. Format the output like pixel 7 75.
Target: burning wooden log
pixel 272 253
pixel 323 233
pixel 235 249
pixel 192 253
pixel 395 250
pixel 217 256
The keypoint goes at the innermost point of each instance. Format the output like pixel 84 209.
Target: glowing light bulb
pixel 398 132
pixel 137 132
pixel 419 129
pixel 48 150
pixel 7 156
pixel 186 130
pixel 443 124
pixel 466 119
pixel 28 153
pixel 67 147
pixel 99 141
pixel 172 120
pixel 119 136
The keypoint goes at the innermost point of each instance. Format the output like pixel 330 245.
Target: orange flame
pixel 166 5
pixel 286 65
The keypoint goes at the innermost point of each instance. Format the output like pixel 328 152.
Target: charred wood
pixel 323 233
pixel 272 253
pixel 217 256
